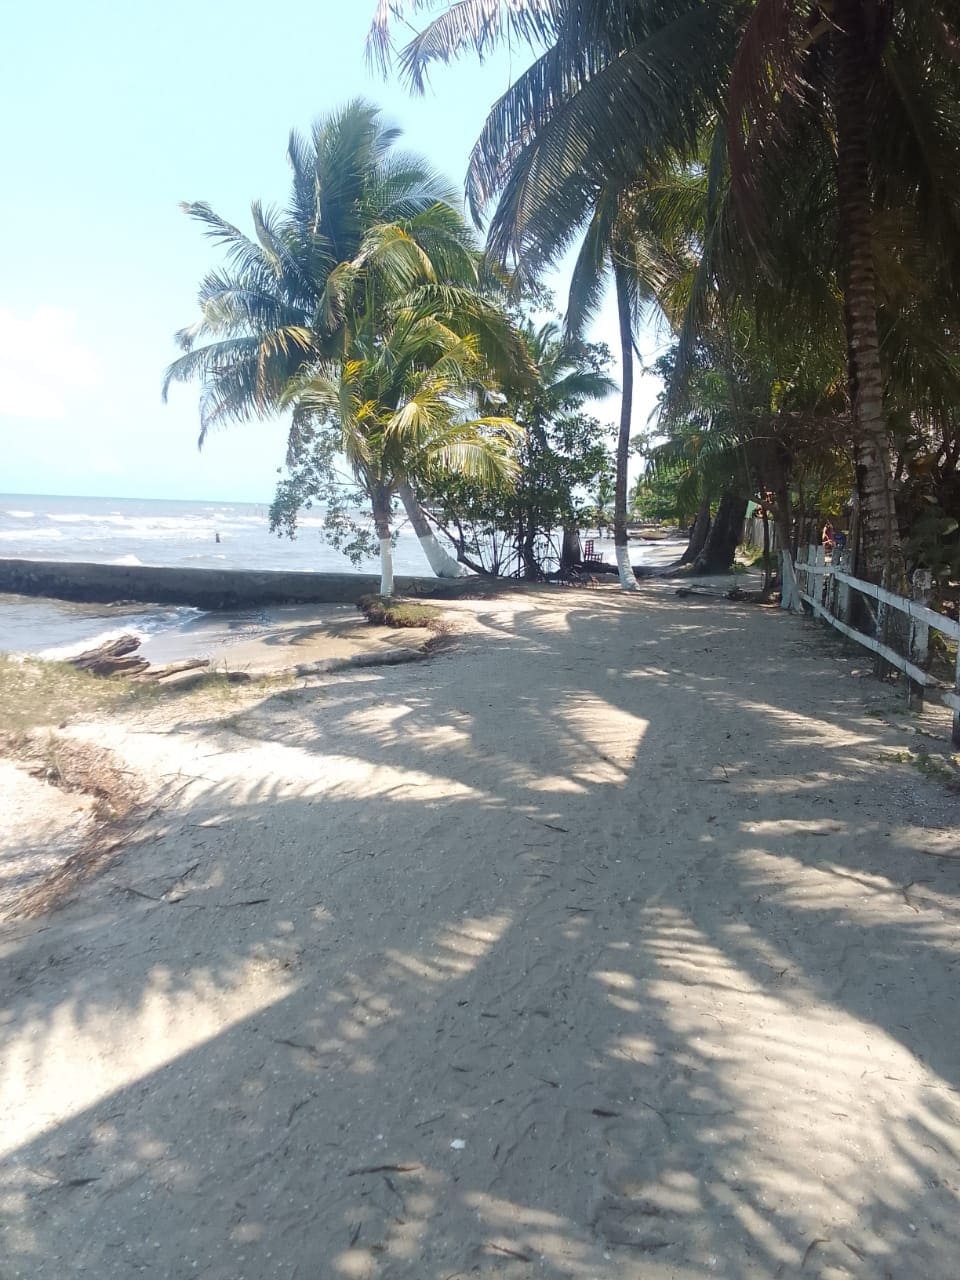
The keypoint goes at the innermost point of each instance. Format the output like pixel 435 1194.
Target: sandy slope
pixel 612 945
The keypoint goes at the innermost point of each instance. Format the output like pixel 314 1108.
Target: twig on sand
pixel 193 906
pixel 909 901
pixel 512 1253
pixel 811 1246
pixel 543 823
pixel 68 1183
pixel 433 1119
pixel 305 1048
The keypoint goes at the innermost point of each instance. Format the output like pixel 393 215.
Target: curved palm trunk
pixel 441 562
pixel 628 580
pixel 698 534
pixel 853 67
pixel 380 498
pixel 725 536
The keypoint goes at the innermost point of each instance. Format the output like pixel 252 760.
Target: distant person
pixel 217 535
pixel 828 537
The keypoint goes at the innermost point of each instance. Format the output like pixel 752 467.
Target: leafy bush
pixel 388 611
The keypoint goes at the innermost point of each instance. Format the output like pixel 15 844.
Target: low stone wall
pixel 209 588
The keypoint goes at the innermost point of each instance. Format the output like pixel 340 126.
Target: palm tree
pixel 549 149
pixel 366 226
pixel 621 88
pixel 400 400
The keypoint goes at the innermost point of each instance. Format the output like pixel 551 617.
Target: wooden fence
pixel 828 588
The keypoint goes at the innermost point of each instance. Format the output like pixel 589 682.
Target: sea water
pixel 149 532
pixel 200 535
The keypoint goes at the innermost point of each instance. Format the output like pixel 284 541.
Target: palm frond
pixel 479 25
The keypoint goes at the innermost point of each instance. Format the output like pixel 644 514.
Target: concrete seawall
pixel 210 588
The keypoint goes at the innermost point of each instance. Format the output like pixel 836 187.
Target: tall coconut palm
pixel 622 241
pixel 550 151
pixel 366 226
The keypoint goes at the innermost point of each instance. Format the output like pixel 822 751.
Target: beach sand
pixel 282 637
pixel 617 942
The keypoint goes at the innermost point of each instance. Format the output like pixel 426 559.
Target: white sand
pixel 613 945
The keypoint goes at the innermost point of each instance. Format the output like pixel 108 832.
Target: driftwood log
pixel 120 658
pixel 114 657
pixel 174 669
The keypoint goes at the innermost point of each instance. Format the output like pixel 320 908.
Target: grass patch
pixel 943 656
pixel 34 694
pixel 753 558
pixel 388 611
pixel 936 768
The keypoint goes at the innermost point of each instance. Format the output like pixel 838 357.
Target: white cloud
pixel 43 364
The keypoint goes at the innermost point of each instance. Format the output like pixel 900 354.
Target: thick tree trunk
pixel 381 519
pixel 628 581
pixel 698 534
pixel 571 552
pixel 725 535
pixel 441 562
pixel 528 555
pixel 855 62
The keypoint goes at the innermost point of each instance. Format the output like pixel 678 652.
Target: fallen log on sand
pixel 112 658
pixel 174 669
pixel 120 658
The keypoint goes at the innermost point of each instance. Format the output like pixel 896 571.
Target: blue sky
pixel 112 113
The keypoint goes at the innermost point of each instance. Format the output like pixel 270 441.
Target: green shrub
pixel 388 611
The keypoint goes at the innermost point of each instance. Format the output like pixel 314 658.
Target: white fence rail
pixel 827 588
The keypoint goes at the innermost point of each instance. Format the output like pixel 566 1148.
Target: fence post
pixel 819 558
pixel 809 581
pixel 956 709
pixel 919 645
pixel 843 590
pixel 798 573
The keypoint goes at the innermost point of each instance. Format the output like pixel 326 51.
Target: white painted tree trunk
pixel 386 567
pixel 628 579
pixel 441 562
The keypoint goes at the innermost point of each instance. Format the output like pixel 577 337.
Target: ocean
pixel 154 532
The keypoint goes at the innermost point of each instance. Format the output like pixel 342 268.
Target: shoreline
pixel 208 589
pixel 57 609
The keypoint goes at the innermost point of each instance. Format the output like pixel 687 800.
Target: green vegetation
pixel 562 459
pixel 366 312
pixel 36 694
pixel 936 768
pixel 391 611
pixel 778 183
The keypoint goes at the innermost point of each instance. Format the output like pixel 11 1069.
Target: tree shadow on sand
pixel 433 972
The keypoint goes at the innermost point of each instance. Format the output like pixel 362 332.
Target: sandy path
pixel 606 947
